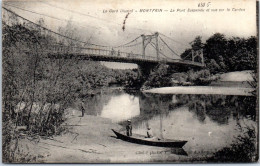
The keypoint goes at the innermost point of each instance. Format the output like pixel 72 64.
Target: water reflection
pixel 181 124
pixel 207 122
pixel 121 108
pixel 219 108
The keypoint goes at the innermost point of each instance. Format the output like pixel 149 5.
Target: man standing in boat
pixel 149 132
pixel 129 128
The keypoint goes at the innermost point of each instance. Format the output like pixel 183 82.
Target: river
pixel 208 122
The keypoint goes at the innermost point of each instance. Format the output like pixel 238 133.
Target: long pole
pixel 143 39
pixel 161 128
pixel 157 45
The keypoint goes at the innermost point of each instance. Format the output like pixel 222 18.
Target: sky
pixel 105 28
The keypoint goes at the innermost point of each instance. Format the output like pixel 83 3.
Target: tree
pixel 197 44
pixel 159 77
pixel 215 47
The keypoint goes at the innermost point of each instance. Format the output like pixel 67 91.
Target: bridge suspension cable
pixel 93 51
pixel 124 45
pixel 65 20
pixel 169 47
pixel 133 44
pixel 128 42
pixel 174 40
pixel 72 11
pixel 56 33
pixel 153 44
pixel 88 43
pixel 186 56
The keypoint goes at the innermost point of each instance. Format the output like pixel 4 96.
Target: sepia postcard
pixel 112 81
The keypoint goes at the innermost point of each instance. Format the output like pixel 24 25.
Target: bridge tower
pixel 197 53
pixel 147 39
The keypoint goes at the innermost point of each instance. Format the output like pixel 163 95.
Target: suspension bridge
pixel 143 50
pixel 115 55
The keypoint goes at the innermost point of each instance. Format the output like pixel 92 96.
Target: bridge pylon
pixel 197 53
pixel 147 39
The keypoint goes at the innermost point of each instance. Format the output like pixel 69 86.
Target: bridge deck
pixel 137 60
pixel 59 51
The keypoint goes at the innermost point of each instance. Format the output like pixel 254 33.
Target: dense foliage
pixel 223 54
pixel 244 150
pixel 37 89
pixel 159 77
pixel 226 55
pixel 220 54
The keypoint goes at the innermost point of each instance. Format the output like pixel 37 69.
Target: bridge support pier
pixel 144 69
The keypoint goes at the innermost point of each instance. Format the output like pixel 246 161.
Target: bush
pixel 244 150
pixel 160 77
pixel 201 77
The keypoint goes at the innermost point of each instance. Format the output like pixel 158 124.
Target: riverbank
pixel 87 139
pixel 232 83
pixel 237 76
pixel 234 79
pixel 202 90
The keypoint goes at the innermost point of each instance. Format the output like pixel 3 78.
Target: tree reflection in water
pixel 230 113
pixel 219 108
pixel 208 122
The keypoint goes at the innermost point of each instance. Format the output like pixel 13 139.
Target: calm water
pixel 207 122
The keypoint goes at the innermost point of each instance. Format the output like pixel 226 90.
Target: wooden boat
pixel 140 139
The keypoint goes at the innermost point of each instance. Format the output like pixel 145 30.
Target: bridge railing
pixel 59 48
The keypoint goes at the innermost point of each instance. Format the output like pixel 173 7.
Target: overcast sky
pixel 106 28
